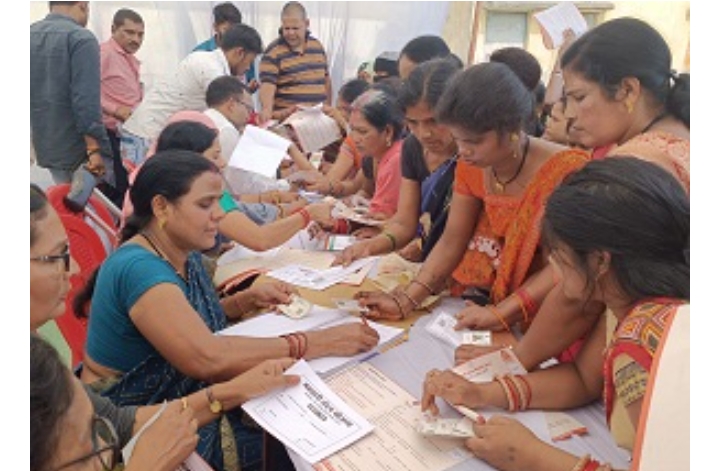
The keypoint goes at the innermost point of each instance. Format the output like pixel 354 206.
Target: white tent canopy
pixel 352 32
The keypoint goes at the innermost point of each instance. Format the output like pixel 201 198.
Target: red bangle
pixel 526 303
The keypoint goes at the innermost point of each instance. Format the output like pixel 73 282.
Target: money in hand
pixel 297 309
pixel 452 428
pixel 482 338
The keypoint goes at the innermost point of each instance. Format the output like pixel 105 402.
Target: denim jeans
pixel 133 148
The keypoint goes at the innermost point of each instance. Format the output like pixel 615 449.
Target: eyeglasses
pixel 248 106
pixel 106 446
pixel 64 256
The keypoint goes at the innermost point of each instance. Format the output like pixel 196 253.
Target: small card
pixel 297 309
pixel 482 338
pixel 451 428
pixel 350 305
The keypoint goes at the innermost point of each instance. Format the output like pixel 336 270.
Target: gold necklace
pixel 500 185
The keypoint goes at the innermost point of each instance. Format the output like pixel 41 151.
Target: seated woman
pixel 490 245
pixel 621 92
pixel 236 225
pixel 164 444
pixel 429 156
pixel 154 312
pixel 343 163
pixel 618 233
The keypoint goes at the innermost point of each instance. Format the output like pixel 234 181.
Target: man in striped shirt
pixel 294 69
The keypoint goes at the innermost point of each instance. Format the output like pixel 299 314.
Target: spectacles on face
pixel 64 256
pixel 248 106
pixel 106 446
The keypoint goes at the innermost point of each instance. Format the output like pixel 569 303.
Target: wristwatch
pixel 215 405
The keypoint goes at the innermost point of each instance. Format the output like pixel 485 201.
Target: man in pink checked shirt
pixel 120 87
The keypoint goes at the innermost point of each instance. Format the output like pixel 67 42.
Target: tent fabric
pixel 350 31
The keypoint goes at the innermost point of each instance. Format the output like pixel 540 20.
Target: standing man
pixel 65 114
pixel 294 68
pixel 120 87
pixel 224 16
pixel 186 88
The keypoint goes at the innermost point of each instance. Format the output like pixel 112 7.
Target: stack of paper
pixel 313 128
pixel 307 277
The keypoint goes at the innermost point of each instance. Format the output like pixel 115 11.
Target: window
pixel 504 29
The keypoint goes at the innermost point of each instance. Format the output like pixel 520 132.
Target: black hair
pixel 352 89
pixel 51 394
pixel 244 36
pixel 226 13
pixel 387 63
pixel 524 64
pixel 628 47
pixel 636 211
pixel 293 7
pixel 427 82
pixel 222 89
pixel 485 97
pixel 38 209
pixel 126 14
pixel 168 173
pixel 424 48
pixel 186 135
pixel 380 107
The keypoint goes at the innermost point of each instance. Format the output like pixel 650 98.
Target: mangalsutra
pixel 500 185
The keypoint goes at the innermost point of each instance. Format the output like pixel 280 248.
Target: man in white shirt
pixel 186 88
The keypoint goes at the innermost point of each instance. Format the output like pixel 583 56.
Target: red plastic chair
pixel 96 211
pixel 88 251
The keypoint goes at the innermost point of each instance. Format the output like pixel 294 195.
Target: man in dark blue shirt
pixel 65 113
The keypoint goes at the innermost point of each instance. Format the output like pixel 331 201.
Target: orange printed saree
pixel 500 253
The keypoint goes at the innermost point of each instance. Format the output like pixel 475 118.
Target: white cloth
pixel 228 135
pixel 183 90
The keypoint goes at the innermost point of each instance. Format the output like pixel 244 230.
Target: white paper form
pixel 394 445
pixel 557 19
pixel 313 128
pixel 259 151
pixel 309 418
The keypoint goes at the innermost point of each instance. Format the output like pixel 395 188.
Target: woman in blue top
pixel 154 310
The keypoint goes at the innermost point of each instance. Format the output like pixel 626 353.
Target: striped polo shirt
pixel 298 76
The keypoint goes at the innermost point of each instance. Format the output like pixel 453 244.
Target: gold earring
pixel 389 142
pixel 630 106
pixel 513 139
pixel 161 223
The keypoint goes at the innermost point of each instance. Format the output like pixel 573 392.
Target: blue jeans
pixel 133 148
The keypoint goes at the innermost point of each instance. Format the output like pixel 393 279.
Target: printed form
pixel 308 418
pixel 394 445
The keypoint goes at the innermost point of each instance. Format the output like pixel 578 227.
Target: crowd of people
pixel 564 219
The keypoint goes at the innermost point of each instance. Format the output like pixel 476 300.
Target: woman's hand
pixel 259 380
pixel 466 353
pixel 412 252
pixel 383 305
pixel 167 442
pixel 354 252
pixel 366 232
pixel 477 318
pixel 343 340
pixel 322 214
pixel 270 294
pixel 450 386
pixel 506 444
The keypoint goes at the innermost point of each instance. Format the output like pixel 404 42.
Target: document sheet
pixel 309 418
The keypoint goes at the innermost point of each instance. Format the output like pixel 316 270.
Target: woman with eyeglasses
pixel 60 402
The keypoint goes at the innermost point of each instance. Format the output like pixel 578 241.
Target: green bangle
pixel 393 241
